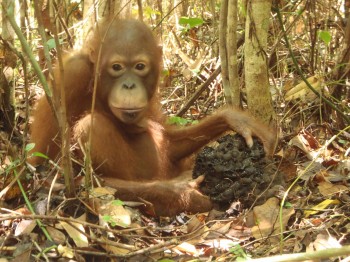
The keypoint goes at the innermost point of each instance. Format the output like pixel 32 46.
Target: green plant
pixel 190 22
pixel 238 251
pixel 177 120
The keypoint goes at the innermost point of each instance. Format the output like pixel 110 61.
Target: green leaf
pixel 239 252
pixel 38 154
pixel 342 141
pixel 107 218
pixel 177 120
pixel 166 72
pixel 149 12
pixel 51 43
pixel 117 202
pixel 190 22
pixel 288 205
pixel 29 147
pixel 325 36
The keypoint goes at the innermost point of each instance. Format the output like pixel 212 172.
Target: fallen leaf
pixel 219 229
pixel 323 242
pixel 77 235
pixel 116 248
pixel 188 248
pixel 328 189
pixel 115 214
pixel 321 206
pixel 308 170
pixel 25 227
pixel 102 191
pixel 267 218
pixel 57 235
pixel 303 92
pixel 65 251
pixel 300 142
pixel 23 252
pixel 220 244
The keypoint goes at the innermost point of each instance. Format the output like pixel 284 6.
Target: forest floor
pixel 295 205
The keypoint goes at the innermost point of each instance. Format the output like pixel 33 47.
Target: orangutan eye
pixel 140 66
pixel 117 67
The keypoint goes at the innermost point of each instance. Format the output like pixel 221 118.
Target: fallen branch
pixel 316 255
pixel 199 91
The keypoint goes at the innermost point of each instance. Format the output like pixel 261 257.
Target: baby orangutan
pixel 131 146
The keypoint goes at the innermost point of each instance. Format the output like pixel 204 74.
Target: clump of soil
pixel 235 172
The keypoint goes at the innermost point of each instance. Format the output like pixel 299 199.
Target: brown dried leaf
pixel 78 237
pixel 116 248
pixel 25 227
pixel 328 189
pixel 303 92
pixel 187 248
pixel 267 218
pixel 57 235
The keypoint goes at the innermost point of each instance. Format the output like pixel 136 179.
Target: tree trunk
pixel 90 16
pixel 122 8
pixel 223 50
pixel 255 63
pixel 228 51
pixel 231 42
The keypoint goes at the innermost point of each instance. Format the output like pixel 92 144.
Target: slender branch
pixel 47 56
pixel 26 48
pixel 199 91
pixel 62 110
